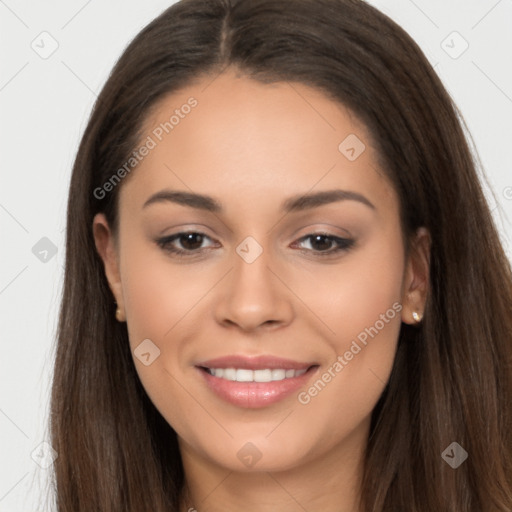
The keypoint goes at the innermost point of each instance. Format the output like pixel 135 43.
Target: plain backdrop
pixel 54 58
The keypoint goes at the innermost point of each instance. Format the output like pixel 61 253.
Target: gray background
pixel 44 104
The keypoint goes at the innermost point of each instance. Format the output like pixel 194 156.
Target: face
pixel 264 302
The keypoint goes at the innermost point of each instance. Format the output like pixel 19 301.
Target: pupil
pixel 189 240
pixel 326 243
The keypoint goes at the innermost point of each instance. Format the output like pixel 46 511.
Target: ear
pixel 107 249
pixel 416 281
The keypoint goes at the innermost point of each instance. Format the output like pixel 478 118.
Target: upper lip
pixel 255 363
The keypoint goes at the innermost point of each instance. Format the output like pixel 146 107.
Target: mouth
pixel 254 382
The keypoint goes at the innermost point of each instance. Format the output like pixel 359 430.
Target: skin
pixel 251 146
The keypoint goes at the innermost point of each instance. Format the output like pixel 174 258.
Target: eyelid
pixel 323 228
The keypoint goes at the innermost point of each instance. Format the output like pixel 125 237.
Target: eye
pixel 319 242
pixel 190 241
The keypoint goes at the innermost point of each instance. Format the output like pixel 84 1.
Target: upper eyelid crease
pixel 292 204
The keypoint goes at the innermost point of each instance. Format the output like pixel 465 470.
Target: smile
pixel 244 375
pixel 254 382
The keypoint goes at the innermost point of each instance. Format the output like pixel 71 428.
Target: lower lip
pixel 254 395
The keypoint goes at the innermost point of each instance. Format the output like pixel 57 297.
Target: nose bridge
pixel 253 295
pixel 252 265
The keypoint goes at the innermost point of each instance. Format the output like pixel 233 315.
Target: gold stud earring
pixel 417 316
pixel 119 316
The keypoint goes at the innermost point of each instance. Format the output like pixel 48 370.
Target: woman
pixel 284 289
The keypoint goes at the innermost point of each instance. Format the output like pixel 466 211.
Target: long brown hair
pixel 452 377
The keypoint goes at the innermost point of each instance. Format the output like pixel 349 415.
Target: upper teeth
pixel 244 375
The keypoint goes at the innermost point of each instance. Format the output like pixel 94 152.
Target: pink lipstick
pixel 254 382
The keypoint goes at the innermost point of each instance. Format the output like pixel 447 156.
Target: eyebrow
pixel 295 203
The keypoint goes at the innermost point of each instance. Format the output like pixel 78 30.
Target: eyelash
pixel 344 244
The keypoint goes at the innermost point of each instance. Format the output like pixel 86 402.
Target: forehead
pixel 247 142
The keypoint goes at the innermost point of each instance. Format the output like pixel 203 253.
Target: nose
pixel 254 296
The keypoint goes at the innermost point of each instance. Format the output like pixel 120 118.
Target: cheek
pixel 361 305
pixel 162 301
pixel 158 295
pixel 159 299
pixel 364 290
